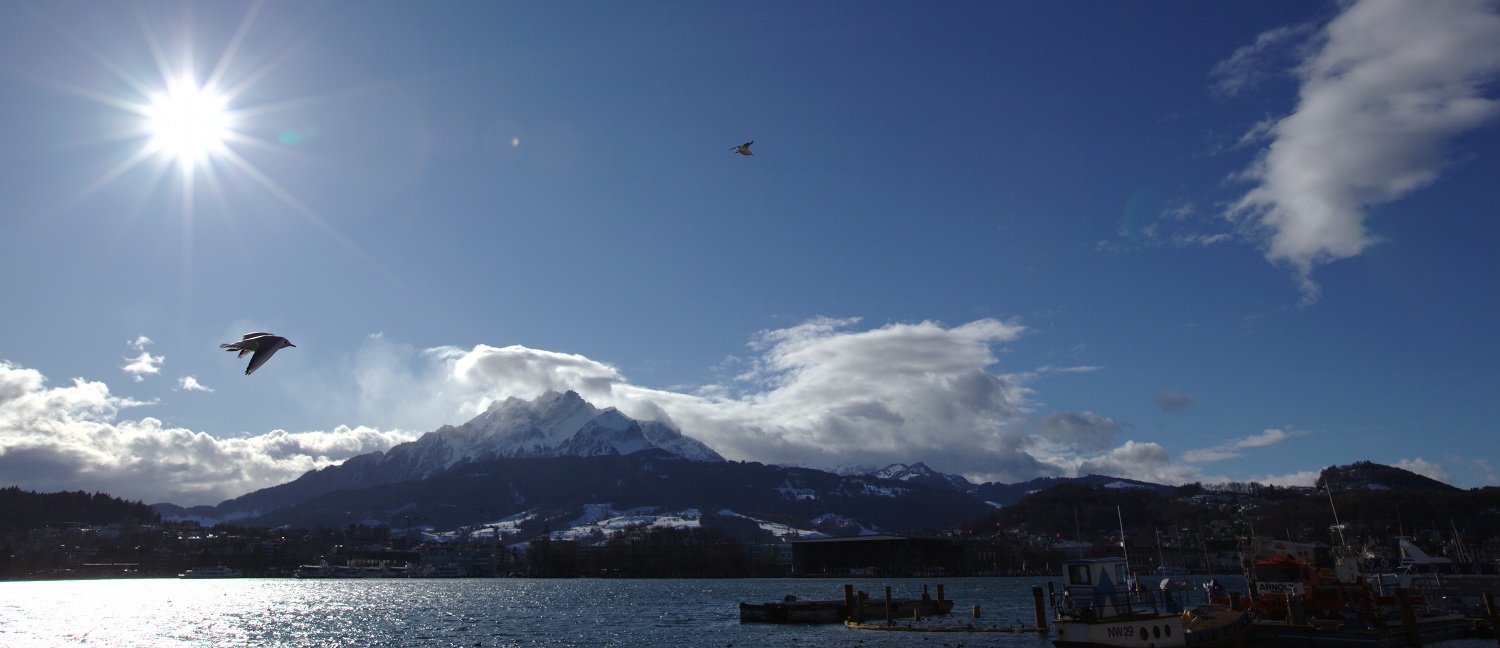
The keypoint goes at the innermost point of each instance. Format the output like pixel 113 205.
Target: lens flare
pixel 188 123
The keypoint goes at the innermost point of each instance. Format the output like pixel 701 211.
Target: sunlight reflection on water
pixel 464 612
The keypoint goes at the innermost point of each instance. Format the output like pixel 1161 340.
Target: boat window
pixel 1079 575
pixel 1276 573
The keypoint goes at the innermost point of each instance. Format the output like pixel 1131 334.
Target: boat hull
pixel 1216 629
pixel 1285 635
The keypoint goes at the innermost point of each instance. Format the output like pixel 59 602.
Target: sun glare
pixel 188 123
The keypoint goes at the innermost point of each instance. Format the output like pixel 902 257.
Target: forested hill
pixel 1367 475
pixel 29 510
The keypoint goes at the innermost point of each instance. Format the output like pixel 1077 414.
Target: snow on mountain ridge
pixel 553 424
pixel 921 473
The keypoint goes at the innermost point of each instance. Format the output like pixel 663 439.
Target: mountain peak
pixel 552 424
pixel 919 473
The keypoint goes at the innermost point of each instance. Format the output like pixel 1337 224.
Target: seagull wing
pixel 267 348
pixel 246 344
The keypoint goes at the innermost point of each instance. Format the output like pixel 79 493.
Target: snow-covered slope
pixel 919 473
pixel 554 424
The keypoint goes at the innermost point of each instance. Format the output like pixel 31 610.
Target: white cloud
pixel 1426 468
pixel 820 393
pixel 189 383
pixel 1231 449
pixel 68 438
pixel 1389 85
pixel 1303 478
pixel 1143 461
pixel 145 363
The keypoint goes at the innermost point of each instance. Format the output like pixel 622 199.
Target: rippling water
pixel 475 612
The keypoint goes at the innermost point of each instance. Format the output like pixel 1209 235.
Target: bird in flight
pixel 263 345
pixel 743 149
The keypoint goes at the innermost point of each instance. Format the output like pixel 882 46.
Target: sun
pixel 188 123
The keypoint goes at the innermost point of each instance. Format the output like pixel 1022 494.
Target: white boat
pixel 1100 608
pixel 450 570
pixel 210 572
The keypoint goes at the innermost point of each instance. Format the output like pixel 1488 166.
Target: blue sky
pixel 1176 241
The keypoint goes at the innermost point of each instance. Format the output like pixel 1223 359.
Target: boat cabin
pixel 1100 585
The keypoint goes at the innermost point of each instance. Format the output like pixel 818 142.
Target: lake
pixel 480 612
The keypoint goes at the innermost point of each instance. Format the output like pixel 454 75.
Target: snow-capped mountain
pixel 919 473
pixel 554 424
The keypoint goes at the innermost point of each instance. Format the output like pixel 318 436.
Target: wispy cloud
pixel 1170 401
pixel 1426 468
pixel 1484 471
pixel 1087 430
pixel 1251 65
pixel 145 363
pixel 1388 85
pixel 1232 449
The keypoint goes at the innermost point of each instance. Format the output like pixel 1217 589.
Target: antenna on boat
pixel 1338 526
pixel 1077 531
pixel 1123 549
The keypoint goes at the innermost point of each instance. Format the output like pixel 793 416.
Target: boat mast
pixel 1339 526
pixel 1162 559
pixel 1123 548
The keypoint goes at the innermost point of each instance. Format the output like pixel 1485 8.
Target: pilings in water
pixel 1041 610
pixel 890 607
pixel 854 613
pixel 1408 619
pixel 1493 612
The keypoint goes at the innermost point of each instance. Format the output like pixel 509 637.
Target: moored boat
pixel 1317 596
pixel 1100 607
pixel 211 572
pixel 852 608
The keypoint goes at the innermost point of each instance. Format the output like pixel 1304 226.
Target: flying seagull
pixel 743 149
pixel 264 345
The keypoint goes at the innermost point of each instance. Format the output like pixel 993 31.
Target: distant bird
pixel 743 149
pixel 264 345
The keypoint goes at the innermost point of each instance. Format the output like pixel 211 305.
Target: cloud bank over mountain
pixel 821 393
